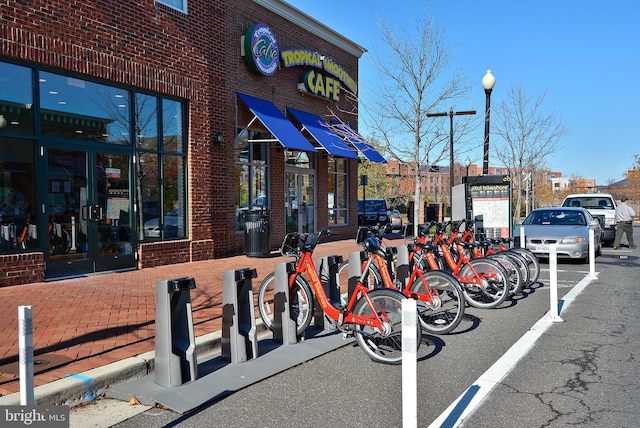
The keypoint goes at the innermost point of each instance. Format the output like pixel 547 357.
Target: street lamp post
pixel 451 113
pixel 488 82
pixel 467 205
pixel 467 164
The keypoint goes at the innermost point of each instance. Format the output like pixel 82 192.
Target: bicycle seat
pixel 373 246
pixel 428 247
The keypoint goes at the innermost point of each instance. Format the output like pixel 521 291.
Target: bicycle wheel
pixel 533 263
pixel 495 283
pixel 445 312
pixel 513 271
pixel 301 299
pixel 523 265
pixel 382 346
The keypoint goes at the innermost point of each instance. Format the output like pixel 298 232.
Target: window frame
pixel 169 4
pixel 336 208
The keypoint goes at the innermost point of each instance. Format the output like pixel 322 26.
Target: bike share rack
pixel 175 361
pixel 403 269
pixel 328 272
pixel 239 338
pixel 284 327
pixel 175 383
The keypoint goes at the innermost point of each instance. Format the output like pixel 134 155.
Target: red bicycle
pixel 485 283
pixel 373 317
pixel 488 247
pixel 437 293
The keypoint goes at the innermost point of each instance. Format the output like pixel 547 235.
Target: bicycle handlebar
pixel 313 240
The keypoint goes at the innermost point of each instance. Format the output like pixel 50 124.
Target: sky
pixel 585 55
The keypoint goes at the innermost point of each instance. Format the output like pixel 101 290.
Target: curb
pixel 87 386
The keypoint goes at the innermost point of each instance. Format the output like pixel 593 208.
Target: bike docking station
pixel 239 338
pixel 182 382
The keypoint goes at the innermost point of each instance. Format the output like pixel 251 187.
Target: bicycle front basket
pixel 290 245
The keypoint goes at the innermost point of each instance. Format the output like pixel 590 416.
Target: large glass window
pixel 161 168
pixel 76 108
pixel 337 191
pixel 17 194
pixel 146 121
pixel 172 126
pixel 16 99
pixel 251 179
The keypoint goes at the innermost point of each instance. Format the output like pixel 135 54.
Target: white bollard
pixel 409 363
pixel 73 233
pixel 523 244
pixel 25 344
pixel 592 255
pixel 553 284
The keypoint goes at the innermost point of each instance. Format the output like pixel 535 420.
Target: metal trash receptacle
pixel 257 231
pixel 175 359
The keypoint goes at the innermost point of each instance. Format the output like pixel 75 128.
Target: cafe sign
pixel 261 49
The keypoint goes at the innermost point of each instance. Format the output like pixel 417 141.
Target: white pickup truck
pixel 601 206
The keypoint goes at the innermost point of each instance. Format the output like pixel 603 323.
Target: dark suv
pixel 376 212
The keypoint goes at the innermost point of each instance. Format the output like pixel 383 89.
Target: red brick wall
pixel 22 268
pixel 195 57
pixel 164 253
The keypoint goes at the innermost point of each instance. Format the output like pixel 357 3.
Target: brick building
pixel 135 134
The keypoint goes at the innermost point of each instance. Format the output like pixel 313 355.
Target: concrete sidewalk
pixel 94 331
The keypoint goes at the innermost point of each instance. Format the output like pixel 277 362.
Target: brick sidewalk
pixel 84 323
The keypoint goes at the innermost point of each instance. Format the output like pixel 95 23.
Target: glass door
pixel 88 212
pixel 300 202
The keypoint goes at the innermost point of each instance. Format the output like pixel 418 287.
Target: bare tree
pixel 529 135
pixel 411 82
pixel 412 64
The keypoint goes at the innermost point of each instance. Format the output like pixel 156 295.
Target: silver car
pixel 566 227
pixel 396 220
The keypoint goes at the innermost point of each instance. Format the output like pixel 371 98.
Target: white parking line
pixel 468 401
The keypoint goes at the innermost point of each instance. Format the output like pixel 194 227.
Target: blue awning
pixel 359 142
pixel 320 131
pixel 277 123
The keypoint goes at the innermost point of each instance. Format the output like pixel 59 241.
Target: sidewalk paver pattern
pixel 85 323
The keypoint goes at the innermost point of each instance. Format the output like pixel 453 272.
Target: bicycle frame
pixel 388 282
pixel 341 316
pixel 454 265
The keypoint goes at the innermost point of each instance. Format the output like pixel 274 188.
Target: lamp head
pixel 488 81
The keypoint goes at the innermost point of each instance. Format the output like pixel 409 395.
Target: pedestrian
pixel 624 223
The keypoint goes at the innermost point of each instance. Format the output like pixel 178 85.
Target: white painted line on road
pixel 468 401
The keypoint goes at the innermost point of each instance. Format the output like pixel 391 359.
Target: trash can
pixel 257 231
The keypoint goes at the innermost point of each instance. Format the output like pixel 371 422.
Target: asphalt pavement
pixel 579 371
pixel 522 369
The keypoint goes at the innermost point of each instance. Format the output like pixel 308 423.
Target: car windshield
pixel 374 205
pixel 556 218
pixel 589 203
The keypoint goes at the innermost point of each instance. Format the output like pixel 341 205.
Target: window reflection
pixel 16 99
pixel 251 177
pixel 76 108
pixel 172 126
pixel 17 195
pixel 146 121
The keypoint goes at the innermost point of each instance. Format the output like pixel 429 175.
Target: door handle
pixel 95 212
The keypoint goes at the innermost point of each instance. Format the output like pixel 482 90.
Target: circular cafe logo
pixel 261 49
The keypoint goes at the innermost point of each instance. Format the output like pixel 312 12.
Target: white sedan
pixel 567 228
